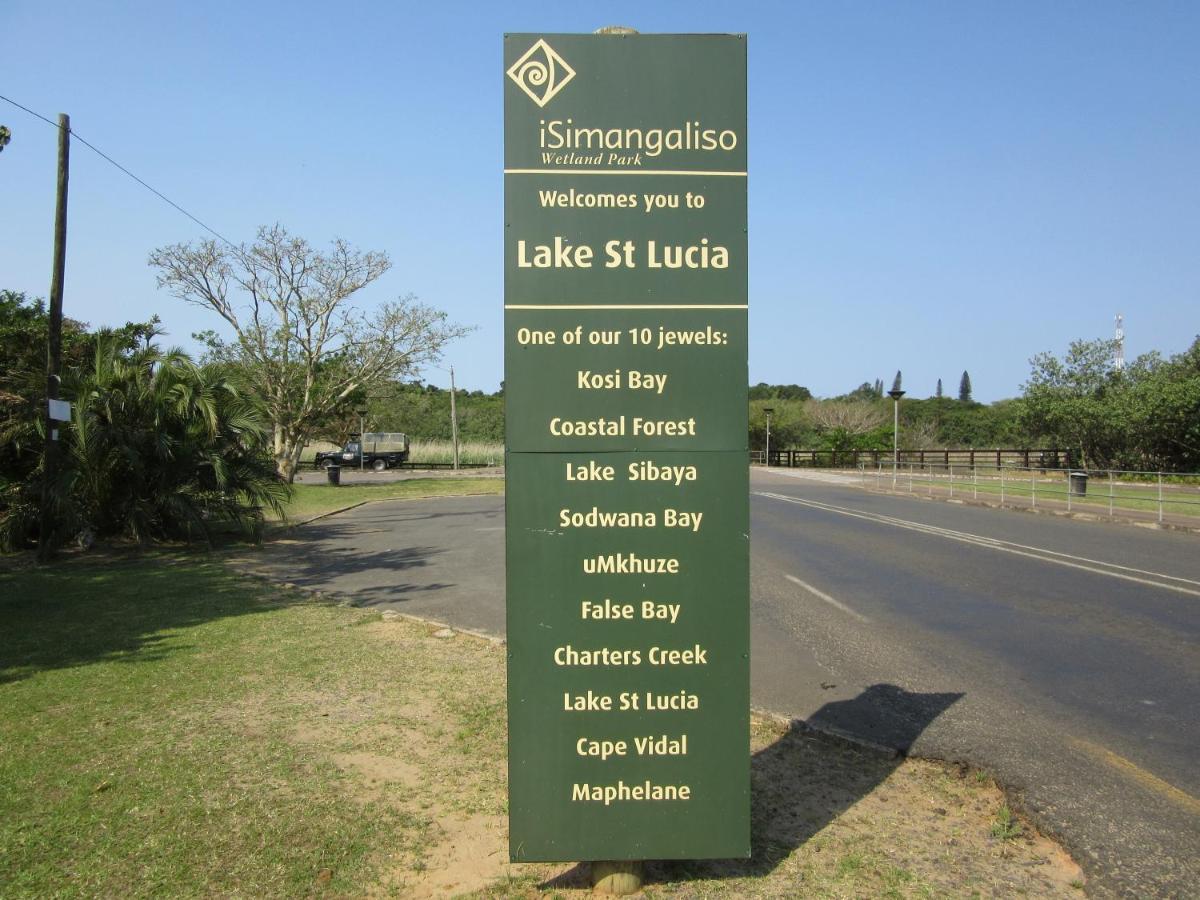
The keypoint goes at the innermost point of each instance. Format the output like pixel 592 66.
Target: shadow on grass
pixel 115 609
pixel 807 779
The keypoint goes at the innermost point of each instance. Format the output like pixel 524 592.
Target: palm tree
pixel 158 448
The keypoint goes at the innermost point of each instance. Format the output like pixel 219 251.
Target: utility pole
pixel 453 420
pixel 54 345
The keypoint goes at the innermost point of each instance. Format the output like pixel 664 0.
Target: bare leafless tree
pixel 298 341
pixel 847 416
pixel 921 435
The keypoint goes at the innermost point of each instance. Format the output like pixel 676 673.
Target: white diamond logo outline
pixel 541 73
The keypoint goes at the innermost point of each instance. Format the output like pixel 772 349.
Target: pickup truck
pixel 376 451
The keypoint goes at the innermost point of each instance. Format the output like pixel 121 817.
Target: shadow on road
pixel 329 561
pixel 368 597
pixel 884 714
pixel 807 779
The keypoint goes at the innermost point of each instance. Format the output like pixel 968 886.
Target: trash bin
pixel 1079 482
pixel 334 474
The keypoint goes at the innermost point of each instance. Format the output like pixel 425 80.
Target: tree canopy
pixel 764 391
pixel 964 388
pixel 299 344
pixel 157 446
pixel 1145 416
pixel 24 331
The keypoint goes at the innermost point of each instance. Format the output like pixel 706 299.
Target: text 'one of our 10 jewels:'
pixel 625 266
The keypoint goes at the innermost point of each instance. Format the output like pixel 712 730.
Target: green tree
pixel 1145 416
pixel 300 346
pixel 764 391
pixel 157 447
pixel 1163 409
pixel 964 388
pixel 848 424
pixel 896 382
pixel 938 394
pixel 944 423
pixel 423 412
pixel 865 392
pixel 790 425
pixel 24 333
pixel 1078 401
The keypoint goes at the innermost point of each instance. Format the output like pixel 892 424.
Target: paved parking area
pixel 440 558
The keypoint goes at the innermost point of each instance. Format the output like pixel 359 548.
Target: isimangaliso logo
pixel 541 73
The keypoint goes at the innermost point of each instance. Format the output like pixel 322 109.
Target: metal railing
pixel 1163 497
pixel 1051 458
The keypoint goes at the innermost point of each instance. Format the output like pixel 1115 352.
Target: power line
pixel 30 111
pixel 113 162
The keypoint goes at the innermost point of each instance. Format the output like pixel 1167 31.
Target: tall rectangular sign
pixel 627 479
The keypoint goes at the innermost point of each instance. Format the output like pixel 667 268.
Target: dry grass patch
pixel 173 728
pixel 831 820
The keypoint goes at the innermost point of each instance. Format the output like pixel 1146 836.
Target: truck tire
pixel 379 465
pixel 326 463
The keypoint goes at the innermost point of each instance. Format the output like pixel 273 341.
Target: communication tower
pixel 1119 350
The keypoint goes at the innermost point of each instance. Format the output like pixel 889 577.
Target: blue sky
pixel 933 186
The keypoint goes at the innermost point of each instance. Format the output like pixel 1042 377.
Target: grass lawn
pixel 171 728
pixel 310 500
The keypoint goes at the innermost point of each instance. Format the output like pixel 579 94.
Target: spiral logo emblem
pixel 541 73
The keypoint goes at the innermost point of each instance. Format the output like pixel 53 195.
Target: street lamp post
pixel 768 410
pixel 895 394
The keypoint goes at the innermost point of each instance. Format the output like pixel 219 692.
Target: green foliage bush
pixel 422 411
pixel 1146 416
pixel 158 447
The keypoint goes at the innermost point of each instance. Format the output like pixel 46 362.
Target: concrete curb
pixel 830 732
pixel 348 601
pixel 288 526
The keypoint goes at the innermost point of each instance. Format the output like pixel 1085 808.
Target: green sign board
pixel 625 299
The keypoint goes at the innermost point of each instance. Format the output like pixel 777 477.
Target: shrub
pixel 157 448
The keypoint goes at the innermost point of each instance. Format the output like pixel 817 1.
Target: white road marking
pixel 822 595
pixel 1098 567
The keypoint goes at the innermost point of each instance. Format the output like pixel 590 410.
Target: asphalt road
pixel 1060 655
